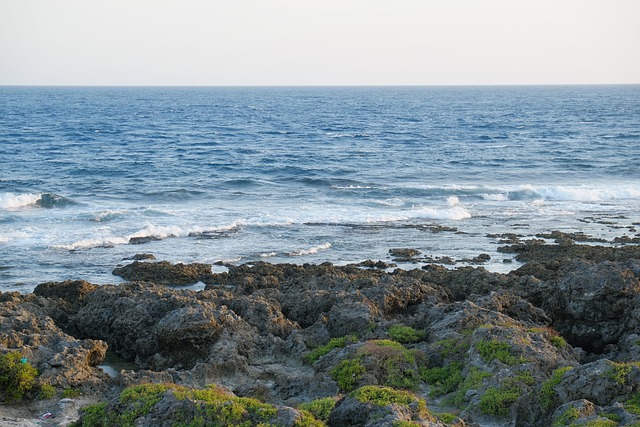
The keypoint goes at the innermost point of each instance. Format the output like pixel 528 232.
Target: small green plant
pixel 632 405
pixel 95 415
pixel 567 417
pixel 70 393
pixel 472 381
pixel 17 376
pixel 600 423
pixel 446 417
pixel 47 391
pixel 494 349
pixel 498 401
pixel 613 417
pixel 405 424
pixel 547 393
pixel 383 396
pixel 619 372
pixel 452 347
pixel 558 342
pixel 443 379
pixel 305 419
pixel 347 373
pixel 320 408
pixel 405 334
pixel 317 353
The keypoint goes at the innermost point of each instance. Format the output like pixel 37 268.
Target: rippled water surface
pixel 305 174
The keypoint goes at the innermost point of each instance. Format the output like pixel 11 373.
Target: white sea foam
pixel 268 255
pixel 311 251
pixel 455 213
pixel 94 243
pixel 500 197
pixel 587 194
pixel 14 201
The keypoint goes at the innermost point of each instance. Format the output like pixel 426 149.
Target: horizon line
pixel 317 85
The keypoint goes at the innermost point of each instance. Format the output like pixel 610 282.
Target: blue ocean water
pixel 339 174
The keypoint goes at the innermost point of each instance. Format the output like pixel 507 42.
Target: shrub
pixel 619 372
pixel 317 353
pixel 70 393
pixel 443 379
pixel 392 363
pixel 305 420
pixel 47 391
pixel 383 396
pixel 320 408
pixel 446 417
pixel 347 373
pixel 558 342
pixel 498 401
pixel 472 381
pixel 494 349
pixel 405 334
pixel 17 376
pixel 632 405
pixel 94 415
pixel 547 393
pixel 567 417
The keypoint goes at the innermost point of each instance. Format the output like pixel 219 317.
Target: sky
pixel 323 42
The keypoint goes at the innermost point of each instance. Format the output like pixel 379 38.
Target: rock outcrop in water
pixel 554 342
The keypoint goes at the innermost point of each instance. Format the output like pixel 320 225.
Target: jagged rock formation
pixel 555 341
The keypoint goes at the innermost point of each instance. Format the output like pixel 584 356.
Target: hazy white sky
pixel 323 42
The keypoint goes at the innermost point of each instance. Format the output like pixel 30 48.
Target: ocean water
pixel 339 174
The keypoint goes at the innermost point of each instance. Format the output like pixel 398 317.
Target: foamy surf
pixel 15 201
pixel 312 250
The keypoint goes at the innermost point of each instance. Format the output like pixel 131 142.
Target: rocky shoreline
pixel 554 342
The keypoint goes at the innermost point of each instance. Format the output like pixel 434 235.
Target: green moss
pixel 498 401
pixel 405 334
pixel 619 372
pixel 494 349
pixel 558 342
pixel 383 396
pixel 443 379
pixel 47 391
pixel 320 408
pixel 472 381
pixel 446 417
pixel 95 415
pixel 17 376
pixel 388 343
pixel 341 342
pixel 405 424
pixel 306 419
pixel 613 417
pixel 347 373
pixel 599 423
pixel 70 393
pixel 632 405
pixel 454 348
pixel 547 393
pixel 567 417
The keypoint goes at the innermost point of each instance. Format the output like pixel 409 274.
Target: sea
pixel 91 176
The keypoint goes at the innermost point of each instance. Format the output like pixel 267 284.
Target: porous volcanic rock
pixel 165 273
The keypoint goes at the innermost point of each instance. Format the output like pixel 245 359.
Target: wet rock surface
pixel 555 341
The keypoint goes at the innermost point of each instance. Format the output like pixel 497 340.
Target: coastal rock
pixel 62 361
pixel 165 273
pixel 594 305
pixel 156 327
